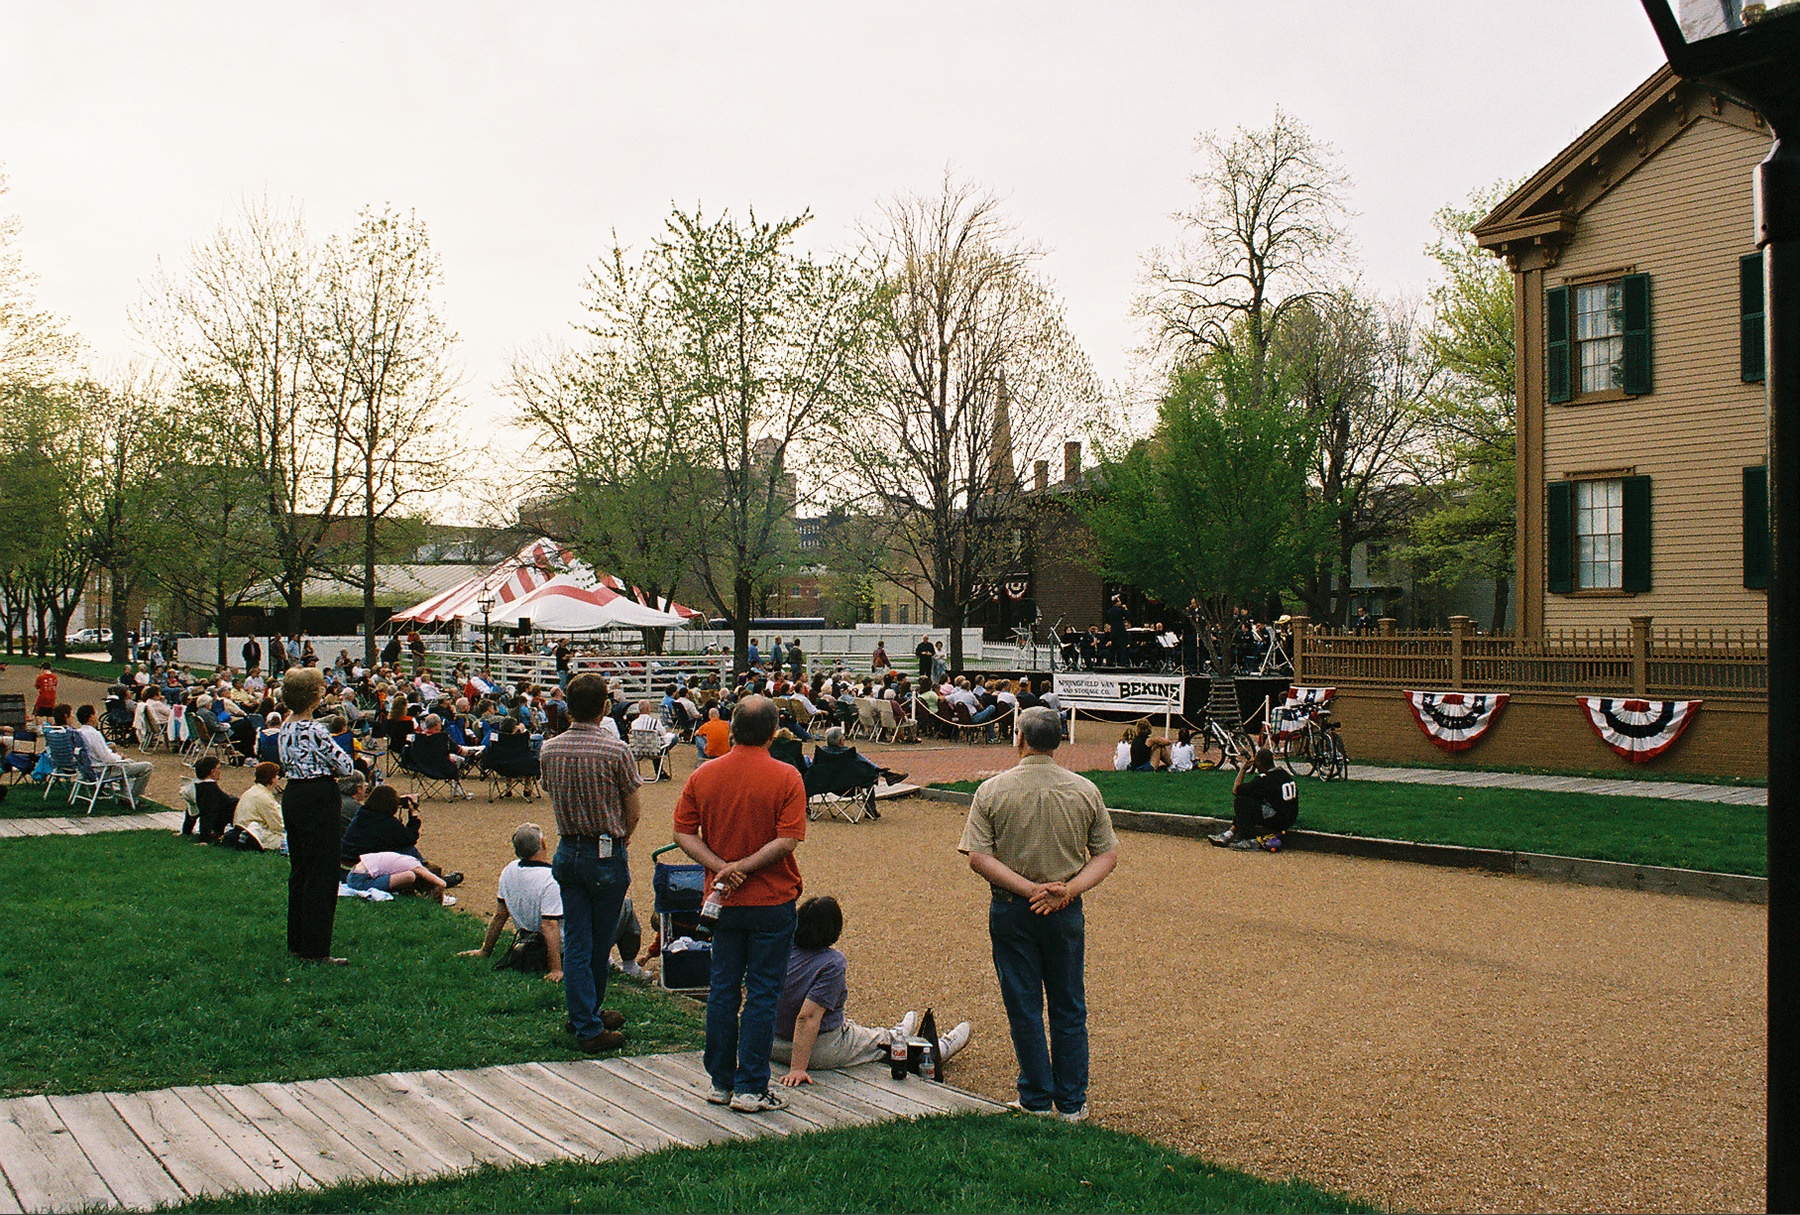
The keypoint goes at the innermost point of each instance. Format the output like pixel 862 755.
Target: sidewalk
pixel 69 1152
pixel 1667 790
pixel 167 820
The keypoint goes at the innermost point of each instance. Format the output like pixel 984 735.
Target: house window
pixel 1599 533
pixel 1600 336
pixel 903 613
pixel 884 613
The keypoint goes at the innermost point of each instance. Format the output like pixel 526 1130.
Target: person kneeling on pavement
pixel 1263 806
pixel 811 1031
pixel 528 894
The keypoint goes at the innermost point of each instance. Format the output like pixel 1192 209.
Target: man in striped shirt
pixel 592 783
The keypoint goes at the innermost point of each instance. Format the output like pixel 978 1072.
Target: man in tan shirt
pixel 1041 837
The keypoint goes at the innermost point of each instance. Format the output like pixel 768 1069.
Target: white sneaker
pixel 904 1030
pixel 954 1041
pixel 719 1096
pixel 1043 1113
pixel 758 1103
pixel 1079 1115
pixel 633 969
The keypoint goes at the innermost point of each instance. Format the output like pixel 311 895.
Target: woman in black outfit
pixel 310 806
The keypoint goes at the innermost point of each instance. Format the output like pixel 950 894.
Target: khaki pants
pixel 845 1046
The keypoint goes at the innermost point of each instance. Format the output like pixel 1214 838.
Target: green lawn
pixel 966 1162
pixel 26 800
pixel 137 960
pixel 1636 830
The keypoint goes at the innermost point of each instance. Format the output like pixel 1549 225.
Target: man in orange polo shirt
pixel 742 815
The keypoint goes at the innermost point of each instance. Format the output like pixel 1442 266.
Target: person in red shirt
pixel 742 815
pixel 46 693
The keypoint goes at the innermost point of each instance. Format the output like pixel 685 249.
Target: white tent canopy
pixel 563 605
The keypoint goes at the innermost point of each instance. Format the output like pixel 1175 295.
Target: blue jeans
pixel 593 892
pixel 749 959
pixel 1039 960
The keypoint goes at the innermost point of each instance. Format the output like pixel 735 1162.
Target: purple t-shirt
pixel 817 975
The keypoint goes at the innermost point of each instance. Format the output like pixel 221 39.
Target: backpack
pixel 529 952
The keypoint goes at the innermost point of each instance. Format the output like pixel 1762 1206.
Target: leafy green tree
pixel 1213 505
pixel 1471 532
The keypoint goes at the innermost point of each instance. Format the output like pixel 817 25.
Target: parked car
pixel 92 637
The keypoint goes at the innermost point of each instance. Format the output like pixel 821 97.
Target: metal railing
pixel 1636 660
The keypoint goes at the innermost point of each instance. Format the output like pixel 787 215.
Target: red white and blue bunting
pixel 1455 720
pixel 1639 730
pixel 1297 708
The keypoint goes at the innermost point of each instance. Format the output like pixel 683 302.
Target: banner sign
pixel 1639 730
pixel 1146 695
pixel 1455 720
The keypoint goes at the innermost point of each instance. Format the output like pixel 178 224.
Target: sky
pixel 526 134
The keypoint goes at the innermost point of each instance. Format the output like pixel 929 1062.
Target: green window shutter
pixel 1751 358
pixel 1559 503
pixel 1636 289
pixel 1756 528
pixel 1636 574
pixel 1556 344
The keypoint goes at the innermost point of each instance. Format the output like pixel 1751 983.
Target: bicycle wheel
pixel 1340 757
pixel 1304 753
pixel 1207 751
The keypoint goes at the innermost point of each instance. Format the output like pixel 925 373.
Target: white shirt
pixel 530 893
pixel 98 750
pixel 1181 757
pixel 609 726
pixel 1007 698
pixel 966 698
pixel 1122 757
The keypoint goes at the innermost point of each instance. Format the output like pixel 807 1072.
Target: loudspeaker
pixel 523 628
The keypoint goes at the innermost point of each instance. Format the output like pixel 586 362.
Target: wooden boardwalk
pixel 1667 790
pixel 64 1153
pixel 167 820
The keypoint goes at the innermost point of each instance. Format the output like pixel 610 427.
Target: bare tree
pixel 1266 233
pixel 383 359
pixel 1352 365
pixel 975 375
pixel 245 320
pixel 34 347
pixel 618 455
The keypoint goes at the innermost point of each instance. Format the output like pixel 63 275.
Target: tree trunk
pixel 740 623
pixel 118 617
pixel 955 656
pixel 368 587
pixel 294 593
pixel 219 620
pixel 1501 592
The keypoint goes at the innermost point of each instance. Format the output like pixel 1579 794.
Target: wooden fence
pixel 1639 660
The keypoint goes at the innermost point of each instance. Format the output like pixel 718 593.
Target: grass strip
pixel 963 1162
pixel 1634 830
pixel 28 800
pixel 139 960
pixel 85 668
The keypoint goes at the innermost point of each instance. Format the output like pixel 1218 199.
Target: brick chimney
pixel 1072 462
pixel 1041 475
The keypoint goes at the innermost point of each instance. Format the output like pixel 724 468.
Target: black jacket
pixel 373 831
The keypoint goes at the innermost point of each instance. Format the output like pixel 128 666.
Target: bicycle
pixel 1218 747
pixel 1324 754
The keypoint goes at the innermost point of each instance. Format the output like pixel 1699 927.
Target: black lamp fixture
pixel 1751 50
pixel 486 603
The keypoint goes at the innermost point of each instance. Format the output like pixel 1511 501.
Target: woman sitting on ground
pixel 256 824
pixel 811 1031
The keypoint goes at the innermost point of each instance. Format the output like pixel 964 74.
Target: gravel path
pixel 1422 1038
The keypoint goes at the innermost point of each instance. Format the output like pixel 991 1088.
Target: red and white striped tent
pixel 562 588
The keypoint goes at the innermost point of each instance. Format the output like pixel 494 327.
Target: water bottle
pixel 709 910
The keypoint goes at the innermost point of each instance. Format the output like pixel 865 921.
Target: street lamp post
pixel 1752 51
pixel 486 603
